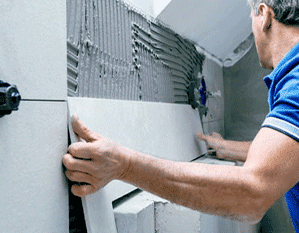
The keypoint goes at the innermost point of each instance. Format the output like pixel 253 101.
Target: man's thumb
pixel 82 131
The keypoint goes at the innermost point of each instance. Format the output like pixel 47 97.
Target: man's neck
pixel 285 38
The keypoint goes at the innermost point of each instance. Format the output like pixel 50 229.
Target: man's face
pixel 261 41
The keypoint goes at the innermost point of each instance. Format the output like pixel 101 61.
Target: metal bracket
pixel 10 98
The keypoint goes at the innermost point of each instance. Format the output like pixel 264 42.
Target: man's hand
pixel 94 163
pixel 226 149
pixel 214 141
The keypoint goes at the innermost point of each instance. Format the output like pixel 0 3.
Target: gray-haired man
pixel 272 159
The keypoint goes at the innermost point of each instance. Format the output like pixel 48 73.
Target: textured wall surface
pixel 214 120
pixel 115 52
pixel 245 97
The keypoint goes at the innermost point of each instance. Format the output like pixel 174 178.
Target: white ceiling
pixel 216 25
pixel 159 6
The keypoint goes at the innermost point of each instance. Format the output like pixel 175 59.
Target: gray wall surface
pixel 214 120
pixel 116 52
pixel 246 97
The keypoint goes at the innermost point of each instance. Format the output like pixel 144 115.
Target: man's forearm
pixel 243 193
pixel 234 150
pixel 209 188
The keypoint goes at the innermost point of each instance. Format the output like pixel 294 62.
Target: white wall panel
pixel 159 129
pixel 162 130
pixel 98 212
pixel 33 47
pixel 33 188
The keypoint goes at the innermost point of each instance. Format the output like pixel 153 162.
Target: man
pixel 272 159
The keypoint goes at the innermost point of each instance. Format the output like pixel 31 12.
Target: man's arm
pixel 226 149
pixel 243 193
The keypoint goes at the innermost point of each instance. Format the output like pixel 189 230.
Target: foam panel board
pixel 33 188
pixel 159 129
pixel 162 130
pixel 33 48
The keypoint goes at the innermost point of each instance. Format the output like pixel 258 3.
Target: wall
pixel 245 97
pixel 214 120
pixel 116 52
pixel 33 188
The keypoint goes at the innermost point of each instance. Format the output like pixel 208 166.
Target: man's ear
pixel 267 15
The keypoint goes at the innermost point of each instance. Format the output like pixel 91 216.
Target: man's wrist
pixel 220 148
pixel 126 155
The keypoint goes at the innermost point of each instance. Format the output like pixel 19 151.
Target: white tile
pixel 33 47
pixel 159 129
pixel 118 189
pixel 163 130
pixel 33 188
pixel 98 213
pixel 97 207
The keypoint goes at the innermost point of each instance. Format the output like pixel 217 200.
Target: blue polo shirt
pixel 283 84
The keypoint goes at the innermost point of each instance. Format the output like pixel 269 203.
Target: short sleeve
pixel 284 106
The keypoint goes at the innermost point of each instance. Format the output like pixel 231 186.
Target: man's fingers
pixel 81 177
pixel 216 135
pixel 75 164
pixel 81 150
pixel 82 131
pixel 82 190
pixel 200 136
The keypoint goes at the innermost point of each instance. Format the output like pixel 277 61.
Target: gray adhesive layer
pixel 116 52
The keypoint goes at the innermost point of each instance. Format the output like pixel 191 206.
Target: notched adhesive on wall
pixel 123 54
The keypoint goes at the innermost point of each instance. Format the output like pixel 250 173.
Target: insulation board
pixel 159 129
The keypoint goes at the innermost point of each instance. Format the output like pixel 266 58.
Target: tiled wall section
pixel 116 52
pixel 214 120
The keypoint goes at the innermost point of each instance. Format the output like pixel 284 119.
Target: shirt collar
pixel 293 52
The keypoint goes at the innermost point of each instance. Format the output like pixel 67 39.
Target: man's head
pixel 286 11
pixel 275 25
